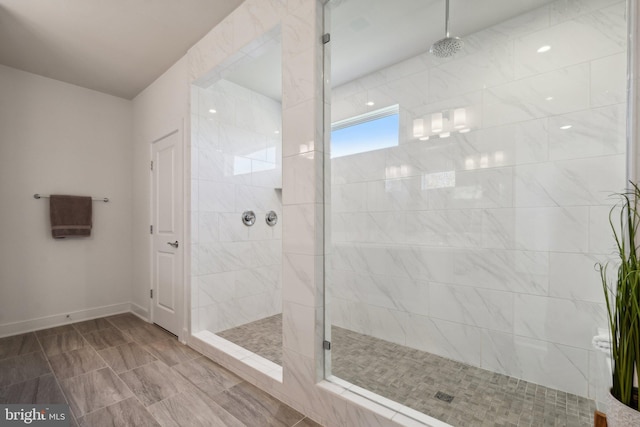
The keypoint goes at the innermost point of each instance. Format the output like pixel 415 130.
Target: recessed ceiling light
pixel 276 132
pixel 370 103
pixel 565 127
pixel 549 98
pixel 543 49
pixel 212 111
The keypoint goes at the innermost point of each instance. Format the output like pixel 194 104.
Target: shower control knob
pixel 248 218
pixel 271 218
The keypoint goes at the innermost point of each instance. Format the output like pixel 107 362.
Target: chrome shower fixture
pixel 448 46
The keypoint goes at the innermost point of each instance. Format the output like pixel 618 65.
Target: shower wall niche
pixel 236 166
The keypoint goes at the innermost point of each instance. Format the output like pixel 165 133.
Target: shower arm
pixel 446 19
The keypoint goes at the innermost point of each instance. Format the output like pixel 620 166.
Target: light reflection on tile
pixel 154 382
pixel 128 412
pixel 170 351
pixel 252 405
pixel 105 338
pixel 55 344
pixel 94 390
pixel 21 368
pixel 41 390
pixel 126 356
pixel 193 409
pixel 76 362
pixel 17 345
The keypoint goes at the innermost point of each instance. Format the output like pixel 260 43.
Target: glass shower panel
pixel 460 250
pixel 237 175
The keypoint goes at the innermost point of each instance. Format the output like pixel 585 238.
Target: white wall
pixel 236 158
pixel 159 109
pixel 480 247
pixel 56 138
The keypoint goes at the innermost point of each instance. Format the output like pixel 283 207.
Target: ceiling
pixel 369 35
pixel 117 47
pixel 121 46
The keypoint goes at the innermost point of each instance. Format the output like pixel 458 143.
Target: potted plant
pixel 622 294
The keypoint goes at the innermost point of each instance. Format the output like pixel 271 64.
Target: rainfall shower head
pixel 448 46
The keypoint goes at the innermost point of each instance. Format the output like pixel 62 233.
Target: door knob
pixel 174 244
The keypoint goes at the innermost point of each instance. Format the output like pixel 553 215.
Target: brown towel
pixel 70 216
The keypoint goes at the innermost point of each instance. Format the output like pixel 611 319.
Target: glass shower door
pixel 467 202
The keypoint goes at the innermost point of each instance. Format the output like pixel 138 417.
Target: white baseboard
pixel 31 325
pixel 140 311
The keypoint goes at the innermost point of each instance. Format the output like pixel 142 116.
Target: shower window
pixel 367 132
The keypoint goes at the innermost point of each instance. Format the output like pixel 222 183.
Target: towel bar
pixel 104 199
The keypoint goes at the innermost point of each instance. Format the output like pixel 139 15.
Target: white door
pixel 167 236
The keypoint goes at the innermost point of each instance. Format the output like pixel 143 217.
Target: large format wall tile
pixel 592 133
pixel 557 366
pixel 552 229
pixel 608 80
pixel 557 320
pixel 488 67
pixel 479 307
pixel 582 182
pixel 600 34
pixel 448 339
pixel 528 98
pixel 496 230
pixel 239 164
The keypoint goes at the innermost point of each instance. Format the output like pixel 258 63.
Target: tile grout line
pixel 181 358
pixel 55 376
pixel 118 376
pixel 89 345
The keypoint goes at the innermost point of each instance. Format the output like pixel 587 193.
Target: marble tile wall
pixel 480 247
pixel 300 384
pixel 332 403
pixel 236 165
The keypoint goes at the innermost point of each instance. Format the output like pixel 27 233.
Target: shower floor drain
pixel 444 397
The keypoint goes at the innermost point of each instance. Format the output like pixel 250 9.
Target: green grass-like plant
pixel 622 295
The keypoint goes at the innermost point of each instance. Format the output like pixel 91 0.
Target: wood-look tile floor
pixel 413 378
pixel 122 371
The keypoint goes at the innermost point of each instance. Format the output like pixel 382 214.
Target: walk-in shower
pixel 236 199
pixel 468 201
